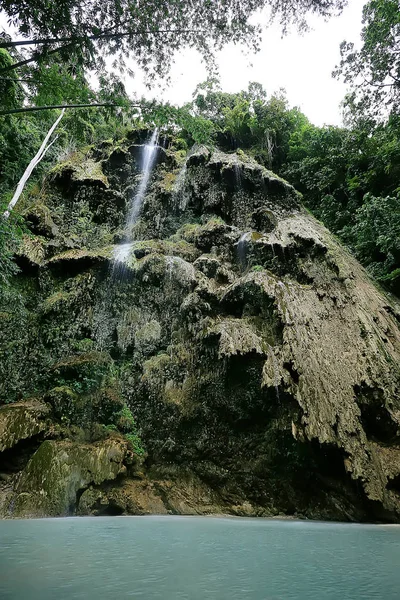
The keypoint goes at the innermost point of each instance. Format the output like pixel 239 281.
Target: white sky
pixel 302 64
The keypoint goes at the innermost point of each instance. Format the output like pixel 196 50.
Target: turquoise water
pixel 193 558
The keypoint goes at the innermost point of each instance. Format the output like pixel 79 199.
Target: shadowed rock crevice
pixel 376 419
pixel 13 460
pixel 394 484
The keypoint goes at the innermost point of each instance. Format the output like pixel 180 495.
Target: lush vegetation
pixel 373 71
pixel 349 176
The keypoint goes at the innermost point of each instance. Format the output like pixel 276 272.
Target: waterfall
pixel 241 249
pixel 179 191
pixel 103 321
pixel 180 201
pixel 238 175
pixel 149 153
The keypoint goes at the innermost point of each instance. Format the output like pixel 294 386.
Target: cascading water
pixel 104 321
pixel 179 191
pixel 180 201
pixel 122 251
pixel 241 249
pixel 238 175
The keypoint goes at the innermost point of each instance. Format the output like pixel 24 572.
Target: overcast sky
pixel 302 64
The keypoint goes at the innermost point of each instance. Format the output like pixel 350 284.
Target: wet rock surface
pixel 259 362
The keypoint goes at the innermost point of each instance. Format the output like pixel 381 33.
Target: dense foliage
pixel 350 180
pixel 373 71
pixel 82 33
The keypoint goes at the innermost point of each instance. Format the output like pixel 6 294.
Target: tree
pixel 82 32
pixel 45 146
pixel 374 71
pixel 250 120
pixel 48 85
pixel 349 178
pixel 375 237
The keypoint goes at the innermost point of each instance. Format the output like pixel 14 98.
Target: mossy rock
pixel 57 302
pixel 84 257
pixel 21 421
pixel 33 249
pixel 81 361
pixel 179 248
pixel 214 233
pixel 49 484
pixel 40 220
pixel 80 171
pixel 235 336
pixel 187 232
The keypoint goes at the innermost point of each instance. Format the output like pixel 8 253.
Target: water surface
pixel 193 558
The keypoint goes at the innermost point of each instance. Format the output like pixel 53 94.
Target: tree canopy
pixel 373 71
pixel 83 33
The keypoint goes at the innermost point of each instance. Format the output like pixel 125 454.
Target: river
pixel 193 558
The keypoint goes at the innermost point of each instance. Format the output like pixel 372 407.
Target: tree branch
pixel 97 36
pixel 33 58
pixel 39 108
pixel 15 79
pixel 72 41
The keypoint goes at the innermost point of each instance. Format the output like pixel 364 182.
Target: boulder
pixel 59 471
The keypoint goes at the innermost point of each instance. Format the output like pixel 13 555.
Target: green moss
pixel 168 181
pixel 21 420
pixel 149 331
pixel 104 253
pixel 86 345
pixel 187 232
pixel 80 361
pixel 41 213
pixel 155 364
pixel 172 247
pixel 257 268
pixel 125 422
pixel 57 301
pixel 136 443
pixel 150 268
pixel 33 247
pixel 81 170
pixel 58 470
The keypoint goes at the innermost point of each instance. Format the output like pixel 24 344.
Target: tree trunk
pixel 35 161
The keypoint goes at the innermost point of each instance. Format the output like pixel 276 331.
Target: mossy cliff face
pixel 241 360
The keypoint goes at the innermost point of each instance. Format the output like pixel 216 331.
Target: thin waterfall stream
pixel 241 249
pixel 123 250
pixel 179 191
pixel 180 200
pixel 118 268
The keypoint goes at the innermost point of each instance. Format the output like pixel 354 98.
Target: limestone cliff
pixel 240 361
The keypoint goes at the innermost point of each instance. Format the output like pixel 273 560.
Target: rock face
pixel 258 360
pixel 49 484
pixel 20 421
